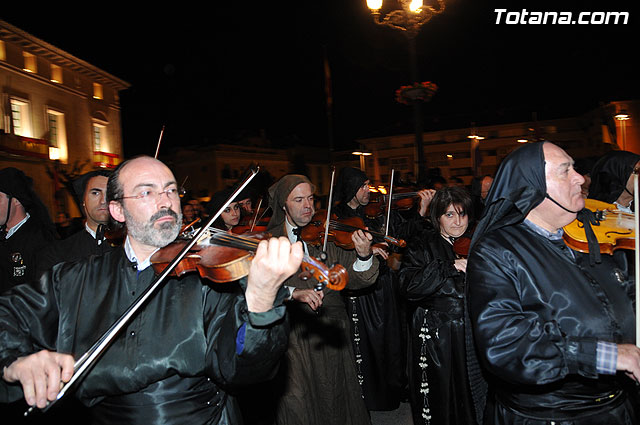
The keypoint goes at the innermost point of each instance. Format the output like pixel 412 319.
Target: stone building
pixel 59 115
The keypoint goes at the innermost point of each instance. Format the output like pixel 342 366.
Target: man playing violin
pixel 376 311
pixel 176 359
pixel 318 378
pixel 554 333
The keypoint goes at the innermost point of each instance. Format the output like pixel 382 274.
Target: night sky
pixel 216 75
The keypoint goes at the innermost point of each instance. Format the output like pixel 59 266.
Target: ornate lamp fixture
pixel 413 15
pixel 409 19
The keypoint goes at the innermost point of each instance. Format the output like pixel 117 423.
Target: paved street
pixel 400 416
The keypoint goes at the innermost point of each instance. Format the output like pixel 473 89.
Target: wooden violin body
pixel 340 231
pixel 226 257
pixel 402 200
pixel 615 230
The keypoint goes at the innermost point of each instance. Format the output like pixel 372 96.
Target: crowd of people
pixel 469 304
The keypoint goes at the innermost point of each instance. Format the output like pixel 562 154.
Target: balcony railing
pixel 105 159
pixel 24 146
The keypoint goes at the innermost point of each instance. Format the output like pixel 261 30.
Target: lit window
pixel 56 74
pixel 97 91
pixel 57 133
pixel 3 52
pixel 99 138
pixel 30 62
pixel 20 118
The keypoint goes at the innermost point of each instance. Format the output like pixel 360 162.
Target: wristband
pixel 364 258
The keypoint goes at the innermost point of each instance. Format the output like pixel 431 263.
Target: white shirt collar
pixel 292 236
pixel 131 255
pixel 17 226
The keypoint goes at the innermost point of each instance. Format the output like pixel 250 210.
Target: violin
pixel 402 200
pixel 225 257
pixel 461 246
pixel 115 237
pixel 615 229
pixel 256 222
pixel 340 231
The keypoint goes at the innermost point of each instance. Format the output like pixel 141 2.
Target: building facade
pixel 59 115
pixel 468 152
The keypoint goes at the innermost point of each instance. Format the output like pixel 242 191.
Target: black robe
pixel 439 389
pixel 76 247
pixel 174 363
pixel 377 331
pixel 19 254
pixel 537 315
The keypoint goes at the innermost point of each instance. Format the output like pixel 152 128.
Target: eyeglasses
pixel 151 196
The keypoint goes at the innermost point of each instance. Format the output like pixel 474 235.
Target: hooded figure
pixel 610 174
pixel 349 181
pixel 15 184
pixel 21 236
pixel 538 310
pixel 278 194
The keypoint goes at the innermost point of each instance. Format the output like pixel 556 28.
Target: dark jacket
pixel 19 254
pixel 175 360
pixel 537 315
pixel 434 289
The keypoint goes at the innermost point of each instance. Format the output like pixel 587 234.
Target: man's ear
pixel 116 210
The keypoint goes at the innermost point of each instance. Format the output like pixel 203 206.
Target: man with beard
pixel 553 328
pixel 177 359
pixel 91 191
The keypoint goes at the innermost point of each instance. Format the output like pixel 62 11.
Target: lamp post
pixel 361 154
pixel 409 19
pixel 475 154
pixel 623 116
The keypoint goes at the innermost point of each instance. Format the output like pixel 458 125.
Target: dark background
pixel 215 72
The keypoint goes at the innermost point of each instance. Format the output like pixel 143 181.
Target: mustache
pixel 163 213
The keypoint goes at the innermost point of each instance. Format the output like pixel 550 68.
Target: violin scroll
pixel 334 278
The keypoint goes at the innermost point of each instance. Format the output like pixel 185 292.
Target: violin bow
pixel 636 205
pixel 326 224
pixel 159 140
pixel 386 226
pixel 83 364
pixel 255 216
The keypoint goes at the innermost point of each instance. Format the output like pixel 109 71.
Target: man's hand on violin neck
pixel 275 260
pixel 362 242
pixel 309 296
pixel 41 375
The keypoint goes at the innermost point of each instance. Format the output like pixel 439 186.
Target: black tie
pixel 100 233
pixel 297 231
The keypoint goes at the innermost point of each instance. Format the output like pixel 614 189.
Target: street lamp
pixel 361 154
pixel 409 19
pixel 474 150
pixel 623 116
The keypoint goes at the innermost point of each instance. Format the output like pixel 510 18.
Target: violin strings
pixel 234 241
pixel 348 228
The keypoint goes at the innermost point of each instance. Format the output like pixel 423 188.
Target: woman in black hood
pixel 611 179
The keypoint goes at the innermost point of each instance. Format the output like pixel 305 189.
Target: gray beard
pixel 147 234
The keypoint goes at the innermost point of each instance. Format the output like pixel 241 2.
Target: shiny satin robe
pixel 537 315
pixel 176 360
pixel 438 384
